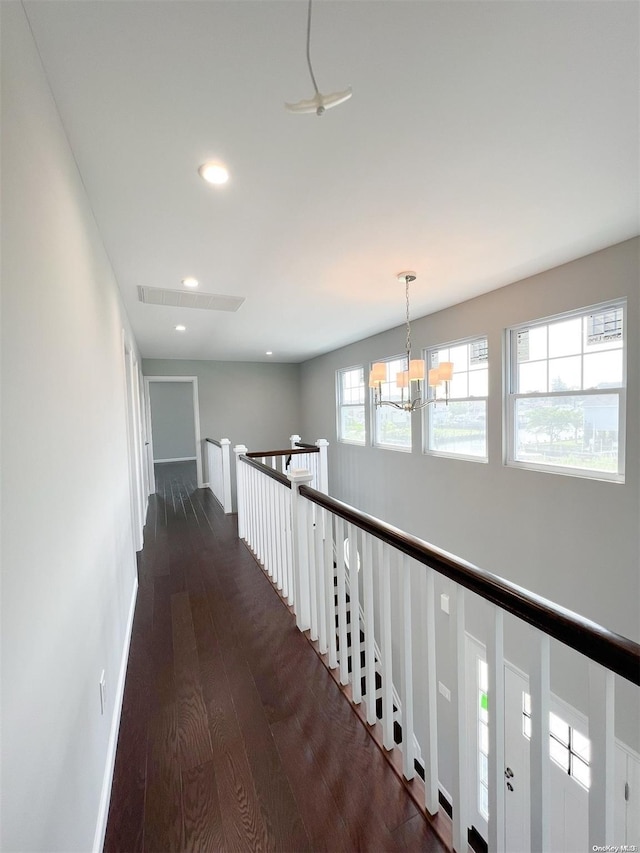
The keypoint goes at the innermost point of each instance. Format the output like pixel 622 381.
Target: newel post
pixel 323 467
pixel 226 474
pixel 299 521
pixel 294 439
pixel 240 450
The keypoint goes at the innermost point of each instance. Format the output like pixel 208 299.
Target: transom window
pixel 393 426
pixel 459 427
pixel 567 393
pixel 351 411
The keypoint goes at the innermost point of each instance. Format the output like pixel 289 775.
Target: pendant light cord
pixel 406 284
pixel 313 79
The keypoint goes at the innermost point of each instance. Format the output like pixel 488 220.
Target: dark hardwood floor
pixel 234 737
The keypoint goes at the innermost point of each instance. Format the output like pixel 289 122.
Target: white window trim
pixel 512 397
pixel 426 412
pixel 340 405
pixel 374 418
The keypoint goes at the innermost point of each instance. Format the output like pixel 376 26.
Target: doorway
pixel 173 422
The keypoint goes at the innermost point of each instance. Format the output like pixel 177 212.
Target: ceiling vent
pixel 183 299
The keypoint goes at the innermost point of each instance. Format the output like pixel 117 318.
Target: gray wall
pixel 172 425
pixel 249 403
pixel 68 562
pixel 570 539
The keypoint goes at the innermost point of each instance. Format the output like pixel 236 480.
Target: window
pixel 567 386
pixel 393 426
pixel 351 414
pixel 459 428
pixel 570 749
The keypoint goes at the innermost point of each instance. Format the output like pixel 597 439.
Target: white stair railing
pixel 364 591
pixel 219 464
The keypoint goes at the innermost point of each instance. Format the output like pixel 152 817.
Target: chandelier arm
pixel 401 407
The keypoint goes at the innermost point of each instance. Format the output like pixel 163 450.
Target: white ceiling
pixel 485 142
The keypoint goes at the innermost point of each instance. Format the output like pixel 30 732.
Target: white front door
pixel 516 751
pixel 569 830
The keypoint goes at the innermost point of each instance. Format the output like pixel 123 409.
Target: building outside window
pixel 567 393
pixel 351 407
pixel 459 427
pixel 393 426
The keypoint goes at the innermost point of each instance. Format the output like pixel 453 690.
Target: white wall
pixel 173 429
pixel 68 563
pixel 570 539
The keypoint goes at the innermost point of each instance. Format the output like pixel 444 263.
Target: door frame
pixel 134 441
pixel 196 422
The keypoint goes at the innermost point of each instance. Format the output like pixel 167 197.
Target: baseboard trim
pixel 105 797
pixel 176 459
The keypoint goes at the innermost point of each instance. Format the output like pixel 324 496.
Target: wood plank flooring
pixel 233 736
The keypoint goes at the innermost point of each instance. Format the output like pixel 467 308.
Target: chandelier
pixel 412 378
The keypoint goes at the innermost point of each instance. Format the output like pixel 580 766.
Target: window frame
pixel 512 396
pixel 374 412
pixel 426 413
pixel 340 405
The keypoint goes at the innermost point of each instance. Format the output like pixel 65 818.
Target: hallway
pixel 233 735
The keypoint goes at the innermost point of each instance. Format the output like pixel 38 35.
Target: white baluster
pixel 342 602
pixel 313 584
pixel 459 746
pixel 354 598
pixel 271 527
pixel 239 451
pixel 320 578
pixel 277 560
pixel 386 652
pixel 539 680
pixel 300 549
pixel 288 538
pixel 294 439
pixel 251 508
pixel 369 627
pixel 329 589
pixel 602 737
pixel 430 745
pixel 497 762
pixel 259 504
pixel 226 475
pixel 408 767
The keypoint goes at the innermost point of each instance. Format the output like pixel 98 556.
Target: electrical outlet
pixel 103 692
pixel 444 691
pixel 444 602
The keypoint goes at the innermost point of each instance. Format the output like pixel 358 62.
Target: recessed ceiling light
pixel 190 281
pixel 268 352
pixel 181 328
pixel 214 173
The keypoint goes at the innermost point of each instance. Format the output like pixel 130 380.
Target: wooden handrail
pixel 265 469
pixel 214 441
pixel 308 446
pixel 611 650
pixel 292 451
